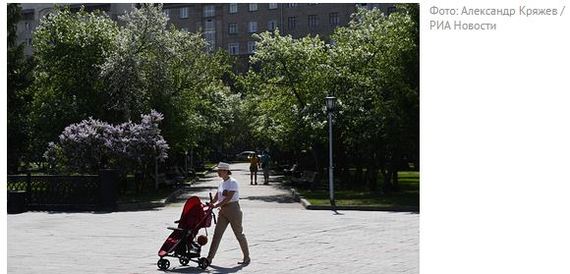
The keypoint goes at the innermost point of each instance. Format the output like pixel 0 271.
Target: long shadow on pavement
pixel 216 269
pixel 142 208
pixel 280 198
pixel 200 188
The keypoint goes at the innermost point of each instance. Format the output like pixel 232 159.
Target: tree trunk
pixel 395 185
pixel 358 178
pixel 342 168
pixel 387 184
pixel 372 177
pixel 318 169
pixel 395 165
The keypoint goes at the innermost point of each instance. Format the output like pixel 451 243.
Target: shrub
pixel 90 145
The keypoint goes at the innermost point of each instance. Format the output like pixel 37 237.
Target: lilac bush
pixel 92 144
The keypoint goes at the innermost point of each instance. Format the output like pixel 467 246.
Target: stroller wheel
pixel 184 260
pixel 203 263
pixel 163 264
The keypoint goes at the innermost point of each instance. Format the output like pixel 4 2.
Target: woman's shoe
pixel 245 261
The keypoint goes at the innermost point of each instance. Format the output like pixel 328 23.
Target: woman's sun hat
pixel 224 166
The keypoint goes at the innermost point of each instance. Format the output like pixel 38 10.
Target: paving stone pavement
pixel 282 235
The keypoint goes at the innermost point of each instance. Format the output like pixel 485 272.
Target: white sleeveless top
pixel 229 185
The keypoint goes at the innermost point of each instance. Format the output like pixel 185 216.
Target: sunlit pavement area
pixel 283 237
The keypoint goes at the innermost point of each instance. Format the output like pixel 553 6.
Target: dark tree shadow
pixel 210 269
pixel 281 198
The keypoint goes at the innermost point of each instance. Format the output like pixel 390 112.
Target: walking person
pixel 227 199
pixel 253 168
pixel 265 163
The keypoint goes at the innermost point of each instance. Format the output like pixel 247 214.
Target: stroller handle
pixel 211 211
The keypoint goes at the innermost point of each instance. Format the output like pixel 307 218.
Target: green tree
pixel 371 66
pixel 286 94
pixel 69 49
pixel 375 60
pixel 157 67
pixel 19 78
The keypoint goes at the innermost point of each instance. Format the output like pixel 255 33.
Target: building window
pixel 312 4
pixel 271 25
pixel 292 5
pixel 166 12
pixel 251 47
pixel 333 19
pixel 27 25
pixel 233 28
pixel 209 11
pixel 272 6
pixel 253 7
pixel 252 26
pixel 184 12
pixel 313 21
pixel 184 29
pixel 209 25
pixel 233 48
pixel 291 22
pixel 30 42
pixel 233 8
pixel 28 15
pixel 210 37
pixel 391 10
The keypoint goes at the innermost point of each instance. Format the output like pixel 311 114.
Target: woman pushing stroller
pixel 227 199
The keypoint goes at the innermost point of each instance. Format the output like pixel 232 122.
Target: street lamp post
pixel 185 163
pixel 330 103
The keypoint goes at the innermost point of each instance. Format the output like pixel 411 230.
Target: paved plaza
pixel 282 235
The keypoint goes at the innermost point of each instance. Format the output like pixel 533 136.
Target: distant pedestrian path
pixel 260 195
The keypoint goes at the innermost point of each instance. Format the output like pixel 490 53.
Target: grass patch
pixel 408 196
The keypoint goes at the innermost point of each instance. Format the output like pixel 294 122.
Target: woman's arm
pixel 227 197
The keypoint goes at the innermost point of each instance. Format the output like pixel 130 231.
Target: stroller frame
pixel 180 244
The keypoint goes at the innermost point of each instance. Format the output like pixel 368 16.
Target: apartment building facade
pixel 229 26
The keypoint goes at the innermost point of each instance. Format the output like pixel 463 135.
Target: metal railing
pixel 48 192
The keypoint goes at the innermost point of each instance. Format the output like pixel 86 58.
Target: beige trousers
pixel 229 214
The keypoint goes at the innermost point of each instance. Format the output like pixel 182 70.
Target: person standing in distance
pixel 265 163
pixel 253 168
pixel 227 199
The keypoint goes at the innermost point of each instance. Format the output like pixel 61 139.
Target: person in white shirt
pixel 227 199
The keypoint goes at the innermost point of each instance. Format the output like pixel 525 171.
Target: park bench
pixel 175 176
pixel 293 171
pixel 308 178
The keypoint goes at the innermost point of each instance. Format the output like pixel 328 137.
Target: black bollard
pixel 16 202
pixel 108 182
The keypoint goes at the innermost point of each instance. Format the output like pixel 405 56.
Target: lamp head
pixel 330 102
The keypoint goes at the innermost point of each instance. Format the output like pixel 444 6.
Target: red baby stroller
pixel 182 242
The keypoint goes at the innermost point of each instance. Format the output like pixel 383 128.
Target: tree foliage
pixel 169 70
pixel 286 94
pixel 69 48
pixel 375 59
pixel 371 66
pixel 19 77
pixel 91 66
